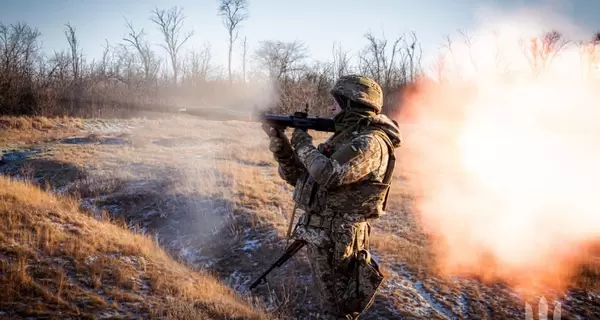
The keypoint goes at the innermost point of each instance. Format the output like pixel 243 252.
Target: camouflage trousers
pixel 343 272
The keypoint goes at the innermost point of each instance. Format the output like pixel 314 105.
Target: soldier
pixel 340 186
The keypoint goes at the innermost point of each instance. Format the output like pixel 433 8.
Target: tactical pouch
pixel 366 199
pixel 363 274
pixel 364 280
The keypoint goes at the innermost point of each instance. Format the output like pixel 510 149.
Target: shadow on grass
pixel 45 172
pixel 95 139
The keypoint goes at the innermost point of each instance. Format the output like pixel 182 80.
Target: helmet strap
pixel 343 102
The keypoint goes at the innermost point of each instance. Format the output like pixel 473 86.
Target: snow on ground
pixel 106 127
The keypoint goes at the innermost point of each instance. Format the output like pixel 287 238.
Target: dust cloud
pixel 252 97
pixel 504 151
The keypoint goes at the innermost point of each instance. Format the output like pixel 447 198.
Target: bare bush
pixel 341 61
pixel 281 59
pixel 393 67
pixel 197 67
pixel 540 51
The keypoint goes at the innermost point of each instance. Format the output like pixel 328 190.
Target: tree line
pixel 132 75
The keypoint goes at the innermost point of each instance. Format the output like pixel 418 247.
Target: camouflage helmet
pixel 359 89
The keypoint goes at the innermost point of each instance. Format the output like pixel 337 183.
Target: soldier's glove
pixel 301 138
pixel 279 144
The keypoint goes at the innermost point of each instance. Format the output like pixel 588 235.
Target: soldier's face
pixel 335 108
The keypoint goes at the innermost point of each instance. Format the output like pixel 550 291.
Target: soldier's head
pixel 357 93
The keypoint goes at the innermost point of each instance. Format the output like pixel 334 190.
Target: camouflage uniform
pixel 341 185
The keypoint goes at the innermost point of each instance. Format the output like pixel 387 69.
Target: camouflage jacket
pixel 344 176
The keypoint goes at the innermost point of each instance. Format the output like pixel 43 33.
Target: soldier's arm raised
pixel 289 168
pixel 347 165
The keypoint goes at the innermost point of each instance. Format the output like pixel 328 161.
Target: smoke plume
pixel 504 151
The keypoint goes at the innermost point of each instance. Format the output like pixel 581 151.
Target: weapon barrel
pixel 278 121
pixel 301 121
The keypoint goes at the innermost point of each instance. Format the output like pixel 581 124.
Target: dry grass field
pixel 178 215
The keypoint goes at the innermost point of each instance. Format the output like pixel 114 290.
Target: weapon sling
pixel 289 252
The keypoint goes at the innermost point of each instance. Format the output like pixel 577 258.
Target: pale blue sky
pixel 317 23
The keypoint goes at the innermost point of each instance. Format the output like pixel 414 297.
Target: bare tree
pixel 281 58
pixel 541 51
pixel 244 56
pixel 60 64
pixel 316 82
pixel 19 45
pixel 445 66
pixel 393 67
pixel 233 13
pixel 123 64
pixel 374 60
pixel 390 67
pixel 468 41
pixel 197 66
pixel 75 51
pixel 341 61
pixel 104 62
pixel 150 62
pixel 438 68
pixel 76 57
pixel 170 23
pixel 589 57
pixel 413 57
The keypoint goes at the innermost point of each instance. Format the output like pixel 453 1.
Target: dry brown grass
pixel 55 259
pixel 35 129
pixel 185 160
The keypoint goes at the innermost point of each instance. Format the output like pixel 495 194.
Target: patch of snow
pixel 438 307
pixel 60 190
pixel 251 245
pixel 89 260
pixel 238 281
pixel 208 262
pixel 127 259
pixel 400 283
pixel 105 127
pixel 463 304
pixel 188 254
